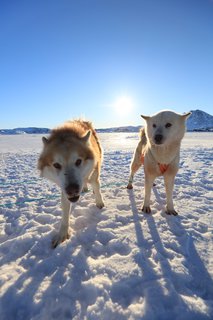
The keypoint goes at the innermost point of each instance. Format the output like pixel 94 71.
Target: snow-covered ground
pixel 119 263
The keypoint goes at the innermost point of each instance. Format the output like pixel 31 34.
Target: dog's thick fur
pixel 159 151
pixel 71 158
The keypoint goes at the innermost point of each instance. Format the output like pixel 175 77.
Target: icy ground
pixel 119 263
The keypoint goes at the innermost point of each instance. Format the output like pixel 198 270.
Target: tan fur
pixel 68 144
pixel 168 128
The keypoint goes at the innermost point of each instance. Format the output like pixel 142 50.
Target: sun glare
pixel 123 105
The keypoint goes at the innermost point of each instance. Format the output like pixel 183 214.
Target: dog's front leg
pixel 148 186
pixel 63 233
pixel 169 186
pixel 94 181
pixel 97 192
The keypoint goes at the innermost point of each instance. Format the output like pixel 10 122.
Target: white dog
pixel 71 157
pixel 159 151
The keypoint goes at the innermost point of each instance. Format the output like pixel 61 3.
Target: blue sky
pixel 84 58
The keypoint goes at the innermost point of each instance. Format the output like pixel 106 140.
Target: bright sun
pixel 123 105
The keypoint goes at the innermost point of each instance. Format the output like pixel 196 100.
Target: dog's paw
pixel 129 186
pixel 146 209
pixel 59 238
pixel 171 212
pixel 100 204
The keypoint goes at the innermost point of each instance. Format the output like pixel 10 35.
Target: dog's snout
pixel 72 189
pixel 73 192
pixel 158 138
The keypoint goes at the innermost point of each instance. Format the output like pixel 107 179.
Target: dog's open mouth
pixel 74 198
pixel 158 143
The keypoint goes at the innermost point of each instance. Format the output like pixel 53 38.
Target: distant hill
pixel 30 130
pixel 198 121
pixel 121 129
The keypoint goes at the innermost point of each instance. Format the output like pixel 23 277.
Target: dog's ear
pixel 87 136
pixel 145 117
pixel 186 115
pixel 45 141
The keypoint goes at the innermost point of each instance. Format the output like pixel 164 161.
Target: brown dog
pixel 71 158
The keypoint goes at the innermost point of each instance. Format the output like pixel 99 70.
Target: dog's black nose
pixel 73 189
pixel 158 138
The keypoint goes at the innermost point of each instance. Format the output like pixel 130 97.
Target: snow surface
pixel 119 263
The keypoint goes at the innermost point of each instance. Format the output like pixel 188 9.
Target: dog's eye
pixel 168 125
pixel 154 125
pixel 57 165
pixel 78 162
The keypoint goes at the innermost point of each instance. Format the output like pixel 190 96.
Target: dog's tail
pixel 143 136
pixel 142 132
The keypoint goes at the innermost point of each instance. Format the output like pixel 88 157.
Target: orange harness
pixel 162 167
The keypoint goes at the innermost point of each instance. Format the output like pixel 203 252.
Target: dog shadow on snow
pixel 163 287
pixel 201 282
pixel 53 282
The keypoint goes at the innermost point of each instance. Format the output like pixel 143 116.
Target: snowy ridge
pixel 30 130
pixel 119 263
pixel 198 121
